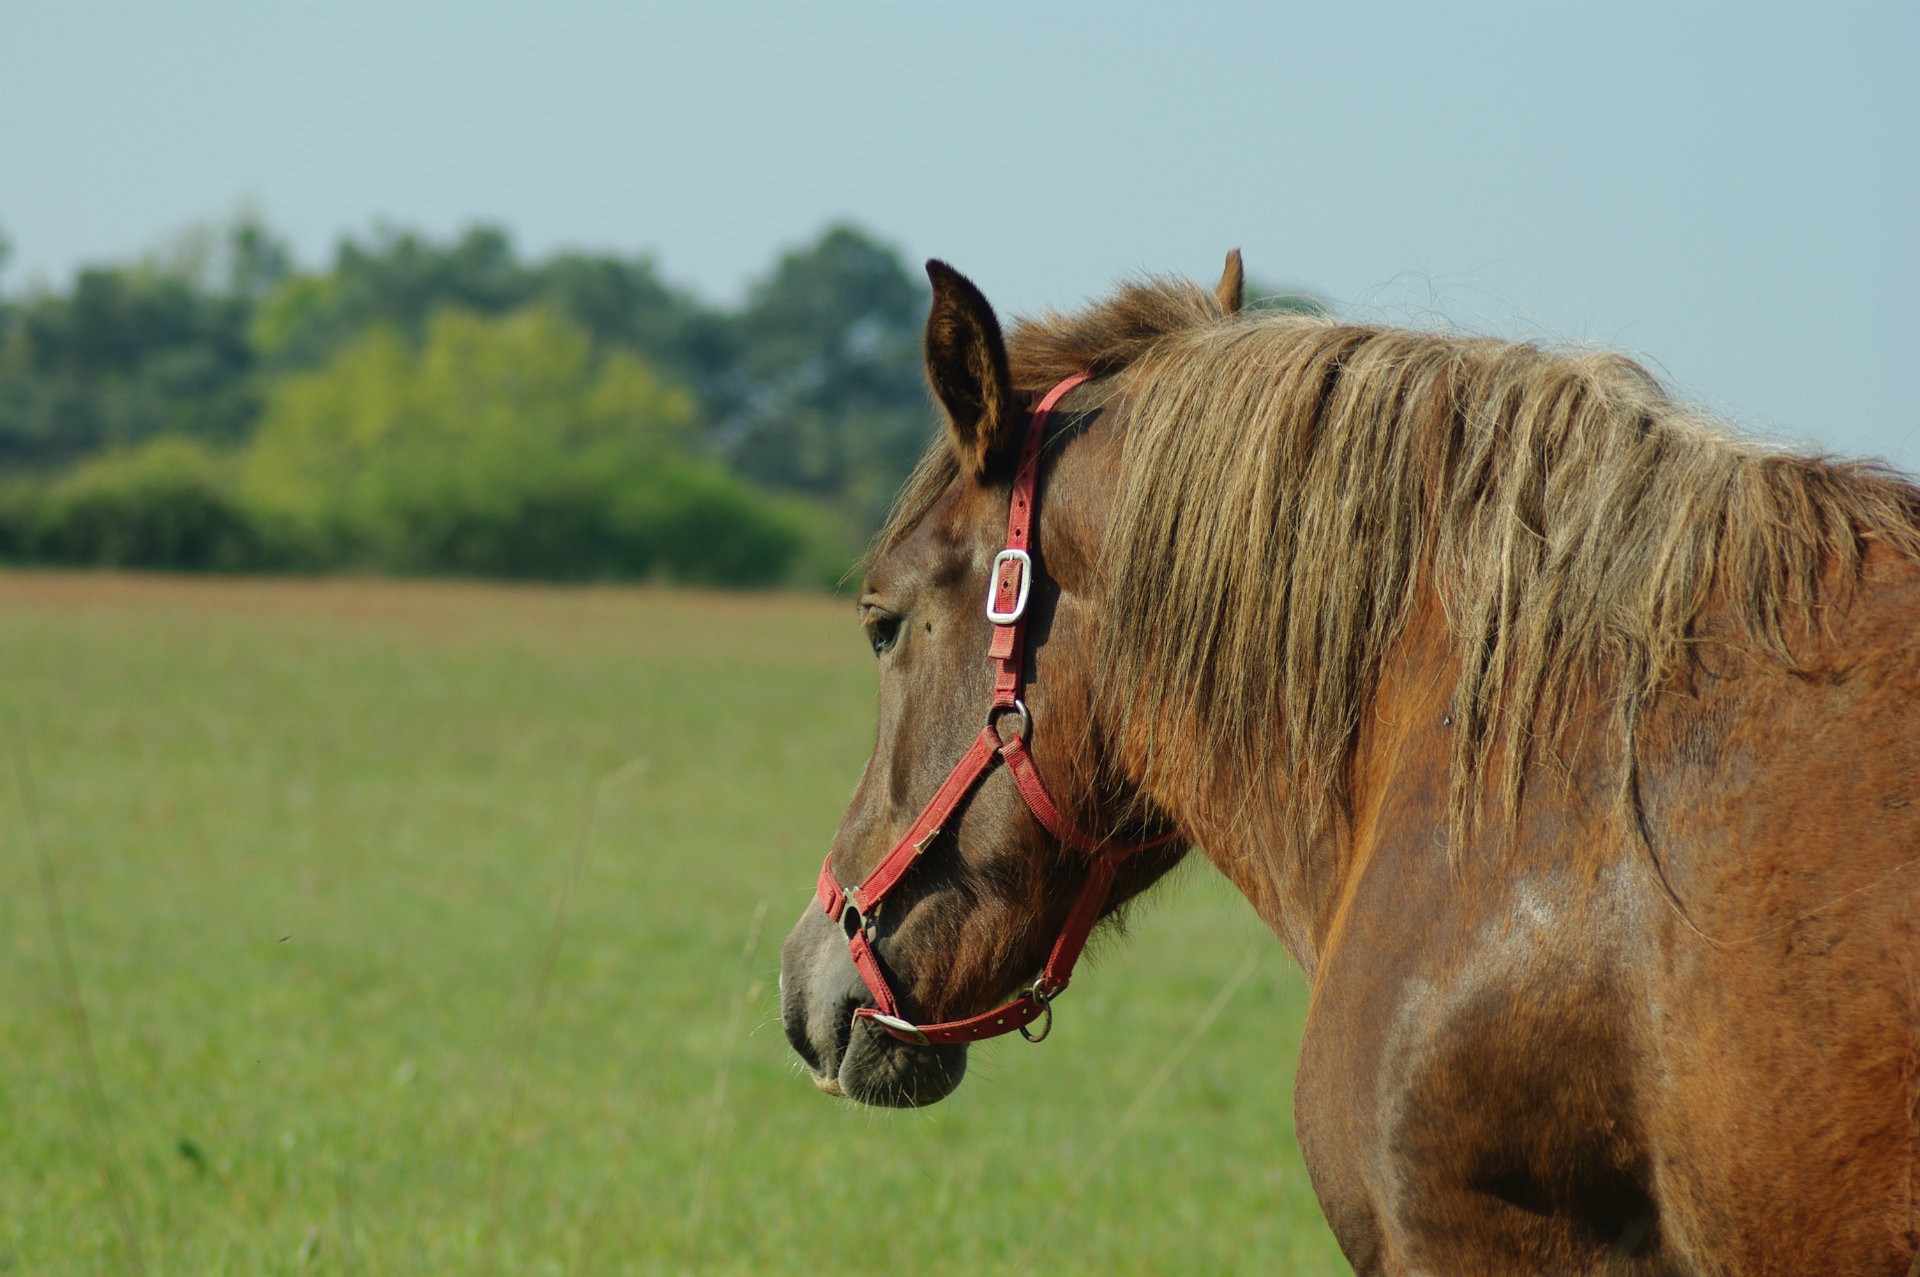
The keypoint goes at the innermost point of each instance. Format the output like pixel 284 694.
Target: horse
pixel 1568 741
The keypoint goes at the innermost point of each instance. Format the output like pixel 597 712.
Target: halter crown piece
pixel 857 908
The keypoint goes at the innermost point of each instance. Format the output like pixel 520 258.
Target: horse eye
pixel 883 632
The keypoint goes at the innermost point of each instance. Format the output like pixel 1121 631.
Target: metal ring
pixel 1018 707
pixel 853 918
pixel 1046 1015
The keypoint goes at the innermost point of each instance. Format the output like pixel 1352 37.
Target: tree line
pixel 452 406
pixel 455 407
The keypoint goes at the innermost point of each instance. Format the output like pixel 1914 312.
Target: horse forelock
pixel 1290 483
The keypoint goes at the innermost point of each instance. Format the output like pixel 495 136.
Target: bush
pixel 169 503
pixel 675 520
pixel 19 508
pixel 703 526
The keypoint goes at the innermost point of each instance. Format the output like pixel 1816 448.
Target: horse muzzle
pixel 853 1058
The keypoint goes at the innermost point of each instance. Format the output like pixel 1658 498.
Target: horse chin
pixel 879 1070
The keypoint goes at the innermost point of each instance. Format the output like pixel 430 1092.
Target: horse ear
pixel 1231 291
pixel 967 368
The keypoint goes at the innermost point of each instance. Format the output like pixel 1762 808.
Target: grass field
pixel 429 928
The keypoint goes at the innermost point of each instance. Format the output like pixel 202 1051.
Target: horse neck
pixel 1299 880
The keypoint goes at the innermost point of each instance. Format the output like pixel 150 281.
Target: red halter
pixel 858 908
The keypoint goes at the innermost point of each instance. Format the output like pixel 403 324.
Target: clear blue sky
pixel 1731 190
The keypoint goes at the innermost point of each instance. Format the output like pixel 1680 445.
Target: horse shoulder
pixel 1468 1075
pixel 1698 1046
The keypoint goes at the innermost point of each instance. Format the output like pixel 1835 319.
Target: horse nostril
pixel 793 1019
pixel 843 1031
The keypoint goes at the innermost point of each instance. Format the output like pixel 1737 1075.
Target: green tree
pixel 400 280
pixel 128 354
pixel 831 400
pixel 397 279
pixel 503 445
pixel 257 260
pixel 626 305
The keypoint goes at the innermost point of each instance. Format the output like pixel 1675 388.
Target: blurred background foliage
pixel 455 408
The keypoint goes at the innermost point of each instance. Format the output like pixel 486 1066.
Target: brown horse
pixel 1570 745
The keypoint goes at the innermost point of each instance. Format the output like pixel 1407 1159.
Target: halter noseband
pixel 858 908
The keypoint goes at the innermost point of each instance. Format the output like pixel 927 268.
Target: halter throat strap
pixel 858 908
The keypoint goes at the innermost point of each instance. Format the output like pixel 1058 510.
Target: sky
pixel 1730 191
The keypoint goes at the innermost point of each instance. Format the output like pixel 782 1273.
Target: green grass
pixel 311 841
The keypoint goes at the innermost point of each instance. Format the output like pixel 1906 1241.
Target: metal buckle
pixel 993 586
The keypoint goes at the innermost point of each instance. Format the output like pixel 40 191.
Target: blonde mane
pixel 1291 483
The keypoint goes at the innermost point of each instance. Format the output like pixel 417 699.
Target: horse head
pixel 984 884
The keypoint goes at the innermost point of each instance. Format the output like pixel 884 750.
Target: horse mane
pixel 1290 483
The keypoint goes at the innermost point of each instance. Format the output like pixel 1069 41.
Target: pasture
pixel 426 927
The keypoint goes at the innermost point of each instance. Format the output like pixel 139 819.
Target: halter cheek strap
pixel 857 908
